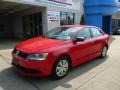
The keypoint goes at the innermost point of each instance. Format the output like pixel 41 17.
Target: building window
pixel 115 24
pixel 82 20
pixel 66 18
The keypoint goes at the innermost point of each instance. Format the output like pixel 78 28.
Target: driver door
pixel 82 50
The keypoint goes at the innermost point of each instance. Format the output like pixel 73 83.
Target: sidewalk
pixel 99 74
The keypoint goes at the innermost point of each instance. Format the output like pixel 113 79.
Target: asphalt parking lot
pixel 98 74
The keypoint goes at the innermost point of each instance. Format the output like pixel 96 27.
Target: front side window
pixel 85 33
pixel 96 32
pixel 61 33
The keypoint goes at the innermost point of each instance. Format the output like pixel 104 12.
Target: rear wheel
pixel 61 68
pixel 104 52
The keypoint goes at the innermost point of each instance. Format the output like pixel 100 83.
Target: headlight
pixel 42 56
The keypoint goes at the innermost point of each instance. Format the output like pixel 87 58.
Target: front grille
pixel 20 53
pixel 26 70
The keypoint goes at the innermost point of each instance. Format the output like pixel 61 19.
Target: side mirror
pixel 79 39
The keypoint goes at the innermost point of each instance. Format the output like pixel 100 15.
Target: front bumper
pixel 32 68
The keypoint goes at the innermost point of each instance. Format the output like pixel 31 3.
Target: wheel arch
pixel 65 55
pixel 106 45
pixel 57 59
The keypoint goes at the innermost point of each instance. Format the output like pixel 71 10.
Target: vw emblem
pixel 17 53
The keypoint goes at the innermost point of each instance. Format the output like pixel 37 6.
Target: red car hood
pixel 34 45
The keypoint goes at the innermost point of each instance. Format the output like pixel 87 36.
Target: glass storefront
pixel 32 25
pixel 66 18
pixel 115 24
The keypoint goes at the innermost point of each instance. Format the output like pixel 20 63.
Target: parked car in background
pixel 116 32
pixel 60 49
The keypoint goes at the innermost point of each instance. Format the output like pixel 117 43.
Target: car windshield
pixel 61 33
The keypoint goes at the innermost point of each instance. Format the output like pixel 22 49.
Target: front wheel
pixel 61 68
pixel 104 52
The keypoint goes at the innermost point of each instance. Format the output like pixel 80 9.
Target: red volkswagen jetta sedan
pixel 59 49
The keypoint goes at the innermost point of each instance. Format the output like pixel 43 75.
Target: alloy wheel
pixel 62 68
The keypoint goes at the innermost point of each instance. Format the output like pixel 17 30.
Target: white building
pixel 28 18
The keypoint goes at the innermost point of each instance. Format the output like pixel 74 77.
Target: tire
pixel 61 68
pixel 104 52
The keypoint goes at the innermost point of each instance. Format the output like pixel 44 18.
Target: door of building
pixel 32 25
pixel 107 26
pixel 115 24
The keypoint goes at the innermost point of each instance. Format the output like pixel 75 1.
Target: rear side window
pixel 85 32
pixel 95 32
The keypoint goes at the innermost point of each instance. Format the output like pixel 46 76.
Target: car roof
pixel 82 26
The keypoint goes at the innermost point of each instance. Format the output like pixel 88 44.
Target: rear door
pixel 83 50
pixel 97 36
